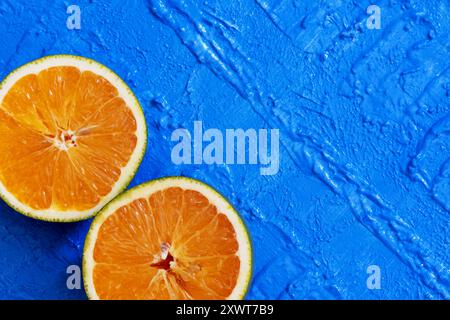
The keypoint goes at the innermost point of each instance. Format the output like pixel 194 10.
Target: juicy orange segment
pixel 171 244
pixel 65 136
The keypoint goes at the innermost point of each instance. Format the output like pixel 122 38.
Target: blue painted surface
pixel 363 116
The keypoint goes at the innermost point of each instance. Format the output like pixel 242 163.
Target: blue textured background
pixel 363 116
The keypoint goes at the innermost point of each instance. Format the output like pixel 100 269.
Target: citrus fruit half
pixel 72 135
pixel 173 238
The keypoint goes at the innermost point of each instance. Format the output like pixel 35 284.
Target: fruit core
pixel 64 139
pixel 166 261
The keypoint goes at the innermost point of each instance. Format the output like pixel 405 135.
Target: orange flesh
pixel 64 137
pixel 172 245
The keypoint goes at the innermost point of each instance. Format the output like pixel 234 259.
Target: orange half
pixel 71 137
pixel 173 238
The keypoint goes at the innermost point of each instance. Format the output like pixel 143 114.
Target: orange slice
pixel 72 135
pixel 172 238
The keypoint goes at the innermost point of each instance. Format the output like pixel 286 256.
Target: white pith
pixel 144 191
pixel 124 92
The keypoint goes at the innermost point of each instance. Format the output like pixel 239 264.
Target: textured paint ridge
pixel 423 166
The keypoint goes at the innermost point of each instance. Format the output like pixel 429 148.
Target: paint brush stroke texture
pixel 364 131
